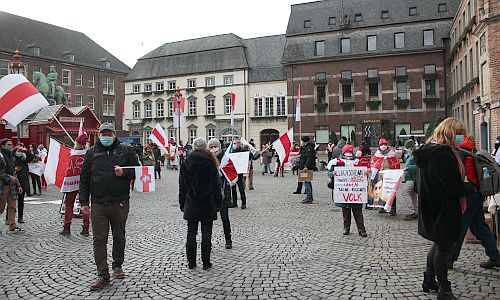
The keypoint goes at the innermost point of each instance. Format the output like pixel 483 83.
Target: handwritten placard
pixel 350 185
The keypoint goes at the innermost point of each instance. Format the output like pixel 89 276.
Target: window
pixel 346 93
pixel 401 71
pixel 210 133
pixel 320 76
pixel 372 73
pixel 228 80
pixel 192 135
pixel 70 57
pixel 137 88
pixel 371 43
pixel 430 88
pixel 257 107
pixel 68 97
pixel 210 105
pixel 428 37
pixel 108 86
pixel 307 24
pixel 280 106
pixel 35 69
pixel 227 104
pixel 401 90
pixel 373 90
pixel 346 75
pixel 191 83
pixel 148 110
pixel 4 68
pixel 159 86
pixel 399 40
pixel 403 128
pixel 209 81
pixel 36 51
pixel 91 102
pixel 319 48
pixel 385 14
pixel 136 110
pixel 349 131
pixel 91 81
pixel 320 94
pixel 79 79
pixel 192 107
pixel 461 75
pixel 66 77
pixel 484 80
pixel 345 45
pixel 171 134
pixel 78 100
pixel 413 11
pixel 471 63
pixel 430 69
pixel 358 18
pixel 442 7
pixel 147 87
pixel 160 112
pixel 469 12
pixel 269 106
pixel 170 107
pixel 171 85
pixel 108 107
pixel 332 21
pixel 482 42
pixel 466 69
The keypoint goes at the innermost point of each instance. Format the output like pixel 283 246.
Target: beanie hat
pixel 348 148
pixel 214 141
pixel 199 143
pixel 82 139
pixel 383 141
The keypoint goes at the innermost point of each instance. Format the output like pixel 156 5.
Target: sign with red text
pixel 350 185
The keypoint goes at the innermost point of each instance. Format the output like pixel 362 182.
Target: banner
pixel 240 161
pixel 350 185
pixel 57 162
pixel 383 189
pixel 36 168
pixel 145 179
pixel 71 180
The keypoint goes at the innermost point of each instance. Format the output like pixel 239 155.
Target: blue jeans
pixel 309 190
pixel 473 218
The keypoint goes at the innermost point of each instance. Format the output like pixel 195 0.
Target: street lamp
pixel 177 99
pixel 17 67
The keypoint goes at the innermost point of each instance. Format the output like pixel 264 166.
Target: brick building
pixel 474 68
pixel 89 74
pixel 367 69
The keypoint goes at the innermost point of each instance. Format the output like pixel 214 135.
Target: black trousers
pixel 358 217
pixel 35 181
pixel 224 215
pixel 299 186
pixel 206 241
pixel 437 262
pixel 241 188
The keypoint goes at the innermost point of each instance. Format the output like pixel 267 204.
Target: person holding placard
pixel 347 159
pixel 307 163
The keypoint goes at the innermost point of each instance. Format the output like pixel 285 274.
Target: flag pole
pixel 65 131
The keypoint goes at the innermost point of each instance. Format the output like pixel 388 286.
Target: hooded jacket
pixel 439 186
pixel 199 189
pixel 337 152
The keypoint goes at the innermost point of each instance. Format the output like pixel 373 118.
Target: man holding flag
pixel 105 180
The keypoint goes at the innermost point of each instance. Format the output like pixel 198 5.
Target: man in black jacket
pixel 9 185
pixel 107 184
pixel 307 162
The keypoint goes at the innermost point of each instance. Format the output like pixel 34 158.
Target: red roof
pixel 70 129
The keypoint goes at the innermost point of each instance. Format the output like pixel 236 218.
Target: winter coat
pixel 340 163
pixel 224 184
pixel 97 177
pixel 266 156
pixel 470 164
pixel 410 173
pixel 200 195
pixel 440 187
pixel 337 152
pixel 157 156
pixel 307 157
pixel 148 158
pixel 7 169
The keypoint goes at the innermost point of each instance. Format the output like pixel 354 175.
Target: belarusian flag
pixel 283 146
pixel 57 163
pixel 145 179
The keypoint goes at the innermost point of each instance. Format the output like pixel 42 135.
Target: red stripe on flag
pixel 62 164
pixel 158 135
pixel 15 96
pixel 233 100
pixel 145 179
pixel 287 145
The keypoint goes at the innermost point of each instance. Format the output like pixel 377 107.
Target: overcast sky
pixel 130 29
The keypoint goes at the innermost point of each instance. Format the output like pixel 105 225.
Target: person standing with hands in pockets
pixel 105 182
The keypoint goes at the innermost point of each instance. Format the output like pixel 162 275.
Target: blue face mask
pixel 106 141
pixel 19 154
pixel 459 138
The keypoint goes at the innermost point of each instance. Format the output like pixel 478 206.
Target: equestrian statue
pixel 48 86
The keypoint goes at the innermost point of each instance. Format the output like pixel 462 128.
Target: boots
pixel 191 255
pixel 85 231
pixel 205 255
pixel 65 231
pixel 445 293
pixel 429 283
pixel 229 242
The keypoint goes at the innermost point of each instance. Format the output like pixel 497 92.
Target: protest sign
pixel 306 176
pixel 36 168
pixel 240 161
pixel 383 189
pixel 350 185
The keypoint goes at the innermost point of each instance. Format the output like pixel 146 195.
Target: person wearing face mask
pixel 21 159
pixel 105 182
pixel 347 159
pixel 237 147
pixel 215 148
pixel 35 179
pixel 42 152
pixel 9 184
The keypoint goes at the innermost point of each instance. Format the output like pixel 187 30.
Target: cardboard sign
pixel 240 161
pixel 306 176
pixel 350 185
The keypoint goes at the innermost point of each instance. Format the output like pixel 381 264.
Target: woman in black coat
pixel 22 157
pixel 200 199
pixel 441 193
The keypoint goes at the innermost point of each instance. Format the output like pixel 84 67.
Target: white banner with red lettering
pixel 350 185
pixel 57 162
pixel 71 181
pixel 145 179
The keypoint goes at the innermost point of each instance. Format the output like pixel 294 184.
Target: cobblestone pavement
pixel 282 249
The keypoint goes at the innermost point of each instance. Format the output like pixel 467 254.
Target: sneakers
pixel 490 264
pixel 15 230
pixel 100 284
pixel 243 206
pixel 363 234
pixel 118 273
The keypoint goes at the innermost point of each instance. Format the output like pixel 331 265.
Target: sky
pixel 130 29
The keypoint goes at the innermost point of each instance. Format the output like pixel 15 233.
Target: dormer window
pixel 442 7
pixel 413 11
pixel 332 21
pixel 307 24
pixel 385 14
pixel 70 57
pixel 358 18
pixel 36 51
pixel 107 64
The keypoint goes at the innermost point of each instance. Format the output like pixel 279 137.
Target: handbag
pixel 330 183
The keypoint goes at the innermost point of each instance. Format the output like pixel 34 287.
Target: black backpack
pixel 485 165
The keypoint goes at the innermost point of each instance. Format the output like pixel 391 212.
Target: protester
pixel 337 151
pixel 299 183
pixel 74 163
pixel 21 159
pixel 200 199
pixel 157 156
pixel 215 147
pixel 364 150
pixel 105 182
pixel 473 217
pixel 266 158
pixel 240 183
pixel 9 187
pixel 329 150
pixel 408 189
pixel 43 157
pixel 148 158
pixel 35 179
pixel 280 167
pixel 441 191
pixel 347 159
pixel 253 157
pixel 181 152
pixel 174 155
pixel 307 159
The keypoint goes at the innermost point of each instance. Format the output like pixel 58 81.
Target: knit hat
pixel 199 143
pixel 383 141
pixel 348 149
pixel 82 139
pixel 214 141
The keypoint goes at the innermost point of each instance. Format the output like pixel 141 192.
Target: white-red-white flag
pixel 159 137
pixel 57 162
pixel 145 179
pixel 228 169
pixel 297 107
pixel 18 98
pixel 233 104
pixel 124 123
pixel 81 129
pixel 179 113
pixel 283 146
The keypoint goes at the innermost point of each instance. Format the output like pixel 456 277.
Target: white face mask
pixel 214 149
pixel 383 147
pixel 349 156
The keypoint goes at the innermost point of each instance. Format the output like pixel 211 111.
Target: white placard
pixel 240 161
pixel 36 168
pixel 350 185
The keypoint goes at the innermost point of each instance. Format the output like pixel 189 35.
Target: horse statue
pixel 48 86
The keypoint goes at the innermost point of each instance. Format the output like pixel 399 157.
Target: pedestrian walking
pixel 148 158
pixel 174 155
pixel 237 147
pixel 73 168
pixel 267 155
pixel 104 182
pixel 200 199
pixel 10 187
pixel 307 162
pixel 35 179
pixel 408 187
pixel 157 157
pixel 441 193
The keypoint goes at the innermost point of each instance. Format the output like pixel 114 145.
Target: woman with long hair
pixel 35 179
pixel 441 190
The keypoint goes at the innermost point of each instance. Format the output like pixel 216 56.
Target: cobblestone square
pixel 282 250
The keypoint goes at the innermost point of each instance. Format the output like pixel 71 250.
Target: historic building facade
pixel 367 71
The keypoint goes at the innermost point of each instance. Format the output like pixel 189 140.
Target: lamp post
pixel 177 99
pixel 17 67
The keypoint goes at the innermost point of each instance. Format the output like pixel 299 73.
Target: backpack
pixel 491 185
